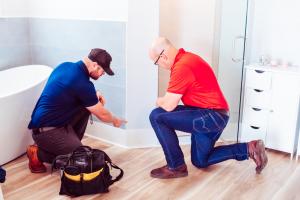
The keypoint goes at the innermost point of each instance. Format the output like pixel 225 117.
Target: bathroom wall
pixel 53 41
pixel 14 48
pixel 189 24
pixel 141 74
pixel 14 8
pixel 112 10
pixel 124 27
pixel 274 29
pixel 41 32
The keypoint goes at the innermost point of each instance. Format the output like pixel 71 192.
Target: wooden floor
pixel 227 180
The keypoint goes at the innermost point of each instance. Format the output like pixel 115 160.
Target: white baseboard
pixel 132 138
pixel 139 138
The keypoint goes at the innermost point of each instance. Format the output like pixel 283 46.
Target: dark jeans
pixel 61 140
pixel 205 126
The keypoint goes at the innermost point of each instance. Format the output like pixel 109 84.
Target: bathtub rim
pixel 30 86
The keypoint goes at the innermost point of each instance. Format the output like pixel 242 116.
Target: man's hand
pixel 169 101
pixel 117 122
pixel 101 98
pixel 159 102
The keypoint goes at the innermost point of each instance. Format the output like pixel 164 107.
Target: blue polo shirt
pixel 68 90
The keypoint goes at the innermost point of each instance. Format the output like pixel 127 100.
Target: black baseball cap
pixel 103 59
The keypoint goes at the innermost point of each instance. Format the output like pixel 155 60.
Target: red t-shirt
pixel 192 77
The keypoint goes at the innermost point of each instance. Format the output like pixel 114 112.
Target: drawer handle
pixel 254 127
pixel 257 90
pixel 259 71
pixel 256 109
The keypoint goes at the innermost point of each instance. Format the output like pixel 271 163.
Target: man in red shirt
pixel 205 114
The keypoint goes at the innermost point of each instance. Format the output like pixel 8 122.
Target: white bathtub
pixel 20 88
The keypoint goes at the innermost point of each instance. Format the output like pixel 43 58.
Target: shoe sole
pixel 169 177
pixel 263 156
pixel 36 171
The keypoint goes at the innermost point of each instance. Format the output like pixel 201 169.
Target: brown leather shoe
pixel 257 152
pixel 165 172
pixel 35 165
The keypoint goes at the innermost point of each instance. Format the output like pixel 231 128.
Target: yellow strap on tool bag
pixel 90 176
pixel 86 176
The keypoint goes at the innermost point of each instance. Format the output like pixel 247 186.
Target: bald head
pixel 162 52
pixel 160 44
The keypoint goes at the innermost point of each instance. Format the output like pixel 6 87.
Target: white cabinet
pixel 271 107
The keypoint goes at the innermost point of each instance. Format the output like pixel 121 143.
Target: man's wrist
pixel 159 102
pixel 113 118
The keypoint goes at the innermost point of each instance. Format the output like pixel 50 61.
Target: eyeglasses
pixel 155 63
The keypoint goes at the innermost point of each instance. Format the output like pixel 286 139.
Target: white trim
pixel 64 18
pixel 107 133
pixel 131 138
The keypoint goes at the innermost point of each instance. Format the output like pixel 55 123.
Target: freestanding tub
pixel 20 88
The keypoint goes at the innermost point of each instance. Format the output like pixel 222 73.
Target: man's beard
pixel 93 76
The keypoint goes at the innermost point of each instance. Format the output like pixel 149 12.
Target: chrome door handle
pixel 234 59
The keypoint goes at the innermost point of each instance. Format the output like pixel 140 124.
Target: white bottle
pixel 264 60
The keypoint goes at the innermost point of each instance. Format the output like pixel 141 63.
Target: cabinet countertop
pixel 290 69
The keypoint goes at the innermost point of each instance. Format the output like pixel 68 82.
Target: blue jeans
pixel 205 126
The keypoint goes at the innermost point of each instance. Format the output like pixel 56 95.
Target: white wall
pixel 13 8
pixel 275 30
pixel 141 75
pixel 141 80
pixel 188 24
pixel 113 10
pixel 1 8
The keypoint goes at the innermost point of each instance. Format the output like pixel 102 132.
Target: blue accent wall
pixel 14 42
pixel 53 41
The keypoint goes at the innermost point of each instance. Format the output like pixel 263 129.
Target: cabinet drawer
pixel 257 98
pixel 251 132
pixel 258 79
pixel 255 116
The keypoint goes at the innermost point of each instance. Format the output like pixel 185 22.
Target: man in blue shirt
pixel 60 117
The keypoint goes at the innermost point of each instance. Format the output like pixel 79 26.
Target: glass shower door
pixel 232 25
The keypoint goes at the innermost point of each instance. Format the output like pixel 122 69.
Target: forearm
pixel 106 117
pixel 166 107
pixel 161 103
pixel 167 103
pixel 103 114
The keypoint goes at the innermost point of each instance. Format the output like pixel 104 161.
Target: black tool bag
pixel 85 171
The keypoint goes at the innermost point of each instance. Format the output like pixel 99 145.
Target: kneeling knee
pixel 154 114
pixel 200 165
